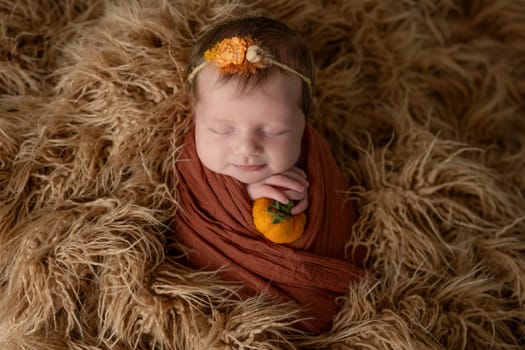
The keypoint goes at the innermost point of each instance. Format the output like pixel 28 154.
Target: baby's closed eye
pixel 275 132
pixel 222 130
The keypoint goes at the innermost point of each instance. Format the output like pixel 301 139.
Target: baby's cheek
pixel 206 154
pixel 286 156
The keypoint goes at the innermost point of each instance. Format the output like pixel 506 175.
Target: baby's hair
pixel 285 45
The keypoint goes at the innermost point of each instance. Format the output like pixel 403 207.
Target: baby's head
pixel 251 97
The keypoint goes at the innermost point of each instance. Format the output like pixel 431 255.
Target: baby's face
pixel 248 135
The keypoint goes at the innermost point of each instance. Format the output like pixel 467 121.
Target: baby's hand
pixel 283 187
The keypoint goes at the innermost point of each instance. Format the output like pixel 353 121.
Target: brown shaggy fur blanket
pixel 423 104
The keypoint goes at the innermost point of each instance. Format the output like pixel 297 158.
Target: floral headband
pixel 240 55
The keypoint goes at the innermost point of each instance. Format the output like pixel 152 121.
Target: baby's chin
pixel 245 177
pixel 248 179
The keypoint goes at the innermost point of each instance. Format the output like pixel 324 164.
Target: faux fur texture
pixel 423 103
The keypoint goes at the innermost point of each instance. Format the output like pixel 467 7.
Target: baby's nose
pixel 247 146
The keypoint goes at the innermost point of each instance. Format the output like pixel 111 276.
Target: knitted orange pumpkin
pixel 275 221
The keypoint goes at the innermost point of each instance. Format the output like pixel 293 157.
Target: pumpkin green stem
pixel 279 211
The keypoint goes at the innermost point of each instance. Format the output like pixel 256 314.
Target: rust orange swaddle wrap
pixel 215 222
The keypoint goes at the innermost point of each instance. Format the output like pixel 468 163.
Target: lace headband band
pixel 240 55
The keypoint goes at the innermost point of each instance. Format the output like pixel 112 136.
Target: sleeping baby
pixel 251 82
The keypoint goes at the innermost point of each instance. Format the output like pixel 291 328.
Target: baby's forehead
pixel 209 79
pixel 273 101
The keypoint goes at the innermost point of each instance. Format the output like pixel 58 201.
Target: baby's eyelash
pixel 276 133
pixel 221 132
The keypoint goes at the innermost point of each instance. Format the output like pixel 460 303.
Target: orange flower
pixel 275 221
pixel 230 52
pixel 229 56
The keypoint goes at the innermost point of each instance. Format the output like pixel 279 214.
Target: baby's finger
pixel 285 182
pixel 297 170
pixel 294 195
pixel 297 174
pixel 273 193
pixel 300 206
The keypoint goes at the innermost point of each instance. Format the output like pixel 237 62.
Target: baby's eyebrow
pixel 279 125
pixel 217 121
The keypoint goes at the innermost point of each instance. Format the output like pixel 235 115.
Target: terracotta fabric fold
pixel 215 223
